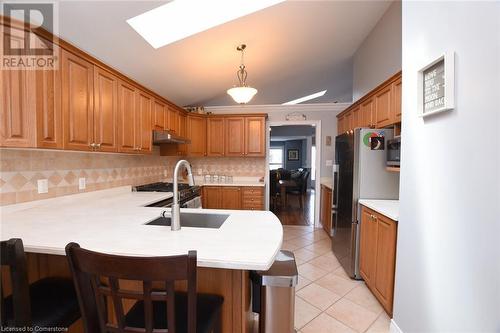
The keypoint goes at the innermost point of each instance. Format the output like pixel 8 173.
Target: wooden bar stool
pixel 96 276
pixel 48 302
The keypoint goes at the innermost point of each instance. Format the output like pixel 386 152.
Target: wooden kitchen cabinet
pixel 143 134
pixel 231 197
pixel 235 136
pixel 383 102
pixel 366 112
pixel 197 132
pixel 215 136
pixel 380 108
pixel 182 149
pixel 378 255
pixel 77 102
pixel 173 120
pixel 159 116
pixel 252 198
pixel 326 209
pixel 255 136
pixel 105 110
pixel 126 117
pixel 396 100
pixel 212 197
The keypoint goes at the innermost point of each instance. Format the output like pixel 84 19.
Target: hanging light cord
pixel 242 73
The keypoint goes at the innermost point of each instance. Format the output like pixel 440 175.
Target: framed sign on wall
pixel 436 85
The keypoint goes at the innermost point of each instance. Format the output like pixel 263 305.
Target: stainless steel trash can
pixel 274 294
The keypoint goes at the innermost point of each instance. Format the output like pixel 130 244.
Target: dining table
pixel 284 184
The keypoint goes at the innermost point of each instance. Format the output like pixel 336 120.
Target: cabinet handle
pixel 98 145
pixel 92 146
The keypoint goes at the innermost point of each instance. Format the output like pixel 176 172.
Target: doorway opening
pixel 293 170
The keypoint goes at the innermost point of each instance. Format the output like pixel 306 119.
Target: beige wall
pixel 379 56
pixel 20 170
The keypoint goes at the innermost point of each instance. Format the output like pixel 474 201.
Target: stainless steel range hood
pixel 160 137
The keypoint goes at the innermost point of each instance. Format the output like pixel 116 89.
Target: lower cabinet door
pixel 386 260
pixel 212 197
pixel 231 198
pixel 368 245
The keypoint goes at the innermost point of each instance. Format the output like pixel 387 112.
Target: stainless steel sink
pixel 194 220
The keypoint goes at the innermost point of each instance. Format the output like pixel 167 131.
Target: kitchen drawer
pixel 253 190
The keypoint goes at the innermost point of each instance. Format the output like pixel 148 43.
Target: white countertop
pixel 389 208
pixel 112 221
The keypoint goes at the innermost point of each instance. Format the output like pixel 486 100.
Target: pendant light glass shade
pixel 243 93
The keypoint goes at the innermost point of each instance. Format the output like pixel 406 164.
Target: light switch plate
pixel 81 184
pixel 43 186
pixel 329 162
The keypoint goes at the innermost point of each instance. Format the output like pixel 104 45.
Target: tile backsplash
pixel 20 170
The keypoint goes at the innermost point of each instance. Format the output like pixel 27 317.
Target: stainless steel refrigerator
pixel 359 172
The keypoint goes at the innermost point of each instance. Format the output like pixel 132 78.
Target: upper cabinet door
pixel 126 117
pixel 215 136
pixel 77 101
pixel 355 121
pixel 173 120
pixel 159 116
pixel 105 110
pixel 383 107
pixel 348 121
pixel 366 110
pixel 144 136
pixel 48 104
pixel 16 89
pixel 197 132
pixel 396 100
pixel 255 137
pixel 235 136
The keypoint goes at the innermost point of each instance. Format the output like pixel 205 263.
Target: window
pixel 313 162
pixel 275 158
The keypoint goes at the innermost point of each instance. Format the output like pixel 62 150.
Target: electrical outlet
pixel 43 186
pixel 165 173
pixel 81 184
pixel 200 171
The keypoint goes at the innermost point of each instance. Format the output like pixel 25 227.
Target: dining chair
pixel 157 309
pixel 48 303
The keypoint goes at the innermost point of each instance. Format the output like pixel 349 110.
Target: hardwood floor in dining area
pixel 292 214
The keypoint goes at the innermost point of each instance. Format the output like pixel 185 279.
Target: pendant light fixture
pixel 243 93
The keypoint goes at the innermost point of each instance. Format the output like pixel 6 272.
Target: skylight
pixel 179 19
pixel 305 98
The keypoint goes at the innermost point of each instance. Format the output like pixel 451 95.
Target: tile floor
pixel 326 299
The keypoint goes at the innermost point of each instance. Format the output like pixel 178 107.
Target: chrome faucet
pixel 176 212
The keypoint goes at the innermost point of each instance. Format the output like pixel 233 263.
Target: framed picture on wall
pixel 293 154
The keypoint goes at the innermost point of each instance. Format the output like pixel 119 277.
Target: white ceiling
pixel 293 49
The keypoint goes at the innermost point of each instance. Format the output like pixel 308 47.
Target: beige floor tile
pixel 352 314
pixel 311 272
pixel 304 312
pixel 326 324
pixel 340 272
pixel 361 295
pixel 304 254
pixel 327 262
pixel 381 325
pixel 301 241
pixel 288 245
pixel 319 247
pixel 302 283
pixel 337 284
pixel 318 296
pixel 300 261
pixel 317 235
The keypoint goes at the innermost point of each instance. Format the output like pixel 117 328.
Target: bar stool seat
pixel 53 303
pixel 47 303
pixel 208 308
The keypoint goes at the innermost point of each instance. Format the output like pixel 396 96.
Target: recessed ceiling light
pixel 305 98
pixel 179 19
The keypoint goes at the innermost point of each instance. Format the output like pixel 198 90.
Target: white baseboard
pixel 394 328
